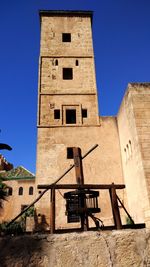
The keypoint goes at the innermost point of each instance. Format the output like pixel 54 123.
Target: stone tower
pixel 68 109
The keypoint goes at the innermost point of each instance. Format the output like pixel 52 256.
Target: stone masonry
pixel 134 133
pixel 126 248
pixel 68 116
pixel 78 93
pixel 123 155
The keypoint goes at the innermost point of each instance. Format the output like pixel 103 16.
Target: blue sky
pixel 121 34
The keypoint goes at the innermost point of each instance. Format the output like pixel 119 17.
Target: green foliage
pixel 129 221
pixel 29 213
pixel 18 227
pixel 15 228
pixel 3 192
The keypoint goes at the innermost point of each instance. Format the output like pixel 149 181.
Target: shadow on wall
pixel 19 249
pixel 40 222
pixel 22 251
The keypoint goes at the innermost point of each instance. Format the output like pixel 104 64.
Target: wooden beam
pixel 52 211
pixel 85 186
pixel 115 208
pixel 125 210
pixel 78 165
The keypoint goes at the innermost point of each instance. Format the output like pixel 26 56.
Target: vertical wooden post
pixel 52 211
pixel 115 208
pixel 80 181
pixel 78 165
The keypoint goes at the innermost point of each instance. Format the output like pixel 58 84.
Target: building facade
pixel 68 117
pixel 21 191
pixel 134 135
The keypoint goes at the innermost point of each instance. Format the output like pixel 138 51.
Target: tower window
pixel 56 62
pixel 20 192
pixel 10 191
pixel 67 74
pixel 66 37
pixel 84 113
pixel 69 152
pixel 70 116
pixel 31 190
pixel 57 114
pixel 77 62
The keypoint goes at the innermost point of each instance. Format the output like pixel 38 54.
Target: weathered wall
pixel 103 165
pixel 49 103
pixel 52 28
pixel 134 132
pixel 141 109
pixel 126 248
pixel 12 207
pixel 83 75
pixel 78 93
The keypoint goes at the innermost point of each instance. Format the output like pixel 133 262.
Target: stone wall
pixel 126 248
pixel 49 103
pixel 52 28
pixel 83 75
pixel 134 132
pixel 12 207
pixel 141 108
pixel 78 93
pixel 102 166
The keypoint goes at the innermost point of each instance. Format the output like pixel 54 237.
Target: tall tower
pixel 67 87
pixel 67 102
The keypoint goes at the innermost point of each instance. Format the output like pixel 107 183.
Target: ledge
pixel 86 13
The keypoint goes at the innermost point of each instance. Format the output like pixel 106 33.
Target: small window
pixel 130 147
pixel 56 62
pixel 77 62
pixel 67 74
pixel 70 116
pixel 31 190
pixel 57 114
pixel 23 207
pixel 20 192
pixel 84 113
pixel 10 191
pixel 69 152
pixel 66 37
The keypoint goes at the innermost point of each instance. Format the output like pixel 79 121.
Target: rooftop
pixel 66 13
pixel 139 84
pixel 19 173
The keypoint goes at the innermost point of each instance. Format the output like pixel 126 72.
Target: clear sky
pixel 121 34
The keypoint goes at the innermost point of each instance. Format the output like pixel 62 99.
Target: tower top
pixel 71 13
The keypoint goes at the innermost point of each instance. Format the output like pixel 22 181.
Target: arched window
pixel 56 62
pixel 20 192
pixel 77 62
pixel 128 155
pixel 31 190
pixel 130 148
pixel 10 191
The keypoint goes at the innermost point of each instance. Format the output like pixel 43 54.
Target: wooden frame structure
pixel 113 197
pixel 79 186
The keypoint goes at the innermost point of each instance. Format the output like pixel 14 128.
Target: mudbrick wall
pixel 123 248
pixel 134 133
